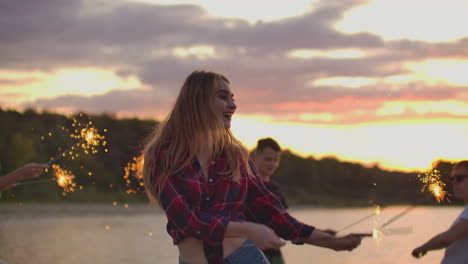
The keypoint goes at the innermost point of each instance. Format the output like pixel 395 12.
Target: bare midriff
pixel 191 249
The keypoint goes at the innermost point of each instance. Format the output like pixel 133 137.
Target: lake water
pixel 107 234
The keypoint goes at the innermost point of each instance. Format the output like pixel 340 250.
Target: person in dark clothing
pixel 267 156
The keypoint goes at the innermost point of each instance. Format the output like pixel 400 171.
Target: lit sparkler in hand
pixel 134 169
pixel 432 183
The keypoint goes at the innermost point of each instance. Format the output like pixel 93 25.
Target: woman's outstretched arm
pixel 457 231
pixel 28 171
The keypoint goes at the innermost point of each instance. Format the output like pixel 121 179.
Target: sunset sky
pixel 378 82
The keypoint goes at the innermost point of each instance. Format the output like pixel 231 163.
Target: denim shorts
pixel 247 253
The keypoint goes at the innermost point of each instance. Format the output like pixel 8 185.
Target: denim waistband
pixel 247 253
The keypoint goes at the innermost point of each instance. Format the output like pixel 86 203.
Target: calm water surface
pixel 78 234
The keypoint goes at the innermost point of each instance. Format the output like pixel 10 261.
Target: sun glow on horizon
pixel 401 146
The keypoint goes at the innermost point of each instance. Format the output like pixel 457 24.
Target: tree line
pixel 33 136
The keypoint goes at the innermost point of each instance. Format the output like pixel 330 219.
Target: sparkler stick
pixel 377 212
pixel 398 231
pixel 58 156
pixel 378 232
pixel 398 216
pixel 33 182
pixel 388 232
pixel 356 222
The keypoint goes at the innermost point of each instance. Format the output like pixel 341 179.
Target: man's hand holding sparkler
pixel 322 239
pixel 28 171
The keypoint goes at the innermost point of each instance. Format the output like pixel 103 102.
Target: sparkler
pixel 88 137
pixel 378 232
pixel 64 179
pixel 33 182
pixel 431 180
pixel 134 169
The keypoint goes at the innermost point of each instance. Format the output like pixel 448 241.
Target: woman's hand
pixel 419 252
pixel 28 171
pixel 263 237
pixel 31 170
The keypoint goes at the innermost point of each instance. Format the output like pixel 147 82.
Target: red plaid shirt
pixel 201 207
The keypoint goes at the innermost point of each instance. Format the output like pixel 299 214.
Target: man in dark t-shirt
pixel 267 156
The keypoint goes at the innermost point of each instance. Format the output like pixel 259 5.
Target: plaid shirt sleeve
pixel 192 222
pixel 265 208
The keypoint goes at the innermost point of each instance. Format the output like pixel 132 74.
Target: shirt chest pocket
pixel 225 190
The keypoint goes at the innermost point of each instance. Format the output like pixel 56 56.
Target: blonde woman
pixel 202 177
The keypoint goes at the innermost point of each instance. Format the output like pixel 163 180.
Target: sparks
pixel 377 234
pixel 64 179
pixel 88 139
pixel 438 192
pixel 432 182
pixel 134 169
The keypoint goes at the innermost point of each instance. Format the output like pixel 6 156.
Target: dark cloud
pixel 419 50
pixel 138 39
pixel 140 102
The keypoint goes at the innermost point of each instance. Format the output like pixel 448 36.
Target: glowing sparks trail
pixel 432 183
pixel 64 179
pixel 377 234
pixel 134 170
pixel 88 138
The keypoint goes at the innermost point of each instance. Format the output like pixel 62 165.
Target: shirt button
pixel 198 232
pixel 210 180
pixel 212 162
pixel 207 198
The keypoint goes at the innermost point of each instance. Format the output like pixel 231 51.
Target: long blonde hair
pixel 191 126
